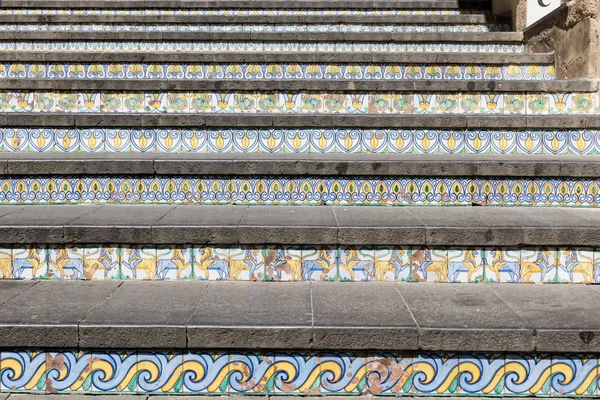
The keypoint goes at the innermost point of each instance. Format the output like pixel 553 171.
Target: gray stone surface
pixel 564 316
pixel 291 164
pixel 583 85
pixel 290 225
pixel 47 315
pixel 465 317
pixel 131 223
pixel 373 318
pixel 381 225
pixel 13 288
pixel 243 57
pixel 302 121
pixel 462 37
pixel 301 316
pixel 149 315
pixel 197 224
pixel 383 4
pixel 256 316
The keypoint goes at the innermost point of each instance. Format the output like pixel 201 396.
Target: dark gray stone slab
pixel 465 318
pixel 378 226
pixel 200 225
pixel 146 315
pixel 573 85
pixel 38 223
pixel 255 316
pixel 47 315
pixel 116 223
pixel 564 316
pixel 353 316
pixel 249 57
pixel 9 289
pixel 290 225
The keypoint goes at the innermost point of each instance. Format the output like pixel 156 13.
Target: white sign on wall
pixel 536 9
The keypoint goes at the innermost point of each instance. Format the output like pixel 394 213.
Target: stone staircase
pixel 165 164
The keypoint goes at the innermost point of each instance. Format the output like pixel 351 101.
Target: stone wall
pixel 572 31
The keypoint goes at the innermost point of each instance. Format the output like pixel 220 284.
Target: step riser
pixel 302 263
pixel 301 191
pixel 299 373
pixel 254 28
pixel 332 140
pixel 301 71
pixel 300 103
pixel 298 47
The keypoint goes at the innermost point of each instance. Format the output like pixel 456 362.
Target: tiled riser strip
pixel 233 12
pixel 299 373
pixel 395 141
pixel 276 71
pixel 302 263
pixel 251 28
pixel 301 102
pixel 204 47
pixel 301 191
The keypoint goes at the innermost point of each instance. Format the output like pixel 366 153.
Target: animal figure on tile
pixel 136 263
pixel 467 264
pixel 541 265
pixel 250 263
pixel 355 264
pixel 103 262
pixel 65 262
pixel 176 262
pixel 500 264
pixel 32 261
pixel 322 263
pixel 211 262
pixel 573 264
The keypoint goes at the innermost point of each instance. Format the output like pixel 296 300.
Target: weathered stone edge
pixel 447 121
pixel 323 57
pixel 303 4
pixel 234 164
pixel 574 85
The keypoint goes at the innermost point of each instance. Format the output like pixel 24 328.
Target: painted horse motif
pixel 177 263
pixel 573 264
pixel 499 264
pixel 320 264
pixel 32 261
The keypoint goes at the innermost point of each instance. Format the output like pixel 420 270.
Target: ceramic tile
pixel 303 377
pixel 89 102
pixel 23 371
pixel 6 264
pixel 583 103
pixel 492 103
pixel 560 103
pixel 429 265
pixel 159 372
pixel 211 263
pixel 489 370
pixel 246 264
pixel 283 263
pixel 174 262
pixel 350 383
pixel 441 364
pixel 248 373
pixel 392 264
pixel 387 374
pixel 514 103
pixel 65 263
pixel 525 374
pixel 539 265
pixel 114 372
pixel 504 265
pixel 356 264
pixel 66 371
pixel 139 262
pixel 446 103
pixel 319 263
pixel 29 262
pixel 571 375
pixel 465 265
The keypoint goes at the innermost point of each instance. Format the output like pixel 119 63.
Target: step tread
pixel 290 85
pixel 305 225
pixel 396 37
pixel 299 164
pixel 455 121
pixel 262 57
pixel 312 316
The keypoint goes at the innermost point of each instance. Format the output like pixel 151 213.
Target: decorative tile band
pixel 309 374
pixel 302 263
pixel 232 12
pixel 276 71
pixel 252 28
pixel 316 140
pixel 300 191
pixel 301 102
pixel 297 47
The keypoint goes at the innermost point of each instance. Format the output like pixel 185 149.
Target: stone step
pixel 252 28
pixel 245 4
pixel 489 87
pixel 507 38
pixel 124 120
pixel 302 317
pixel 227 17
pixel 344 166
pixel 255 226
pixel 280 57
